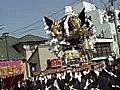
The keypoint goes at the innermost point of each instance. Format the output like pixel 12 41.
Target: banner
pixel 10 68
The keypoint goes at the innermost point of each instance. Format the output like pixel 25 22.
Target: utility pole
pixel 5 35
pixel 111 9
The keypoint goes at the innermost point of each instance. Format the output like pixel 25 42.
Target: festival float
pixel 71 38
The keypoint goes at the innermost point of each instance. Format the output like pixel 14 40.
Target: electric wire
pixel 22 32
pixel 41 20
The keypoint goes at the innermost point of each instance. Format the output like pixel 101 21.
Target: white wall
pixel 28 53
pixel 44 55
pixel 80 5
pixel 97 19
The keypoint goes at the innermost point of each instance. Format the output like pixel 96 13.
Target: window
pixel 103 49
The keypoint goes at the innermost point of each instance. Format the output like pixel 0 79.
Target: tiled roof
pixel 13 44
pixel 32 38
pixel 28 39
pixel 12 53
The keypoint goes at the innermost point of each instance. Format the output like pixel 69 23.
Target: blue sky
pixel 15 14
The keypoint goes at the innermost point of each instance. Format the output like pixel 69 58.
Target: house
pixel 7 52
pixel 35 51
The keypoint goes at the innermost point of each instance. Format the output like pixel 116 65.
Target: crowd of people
pixel 100 77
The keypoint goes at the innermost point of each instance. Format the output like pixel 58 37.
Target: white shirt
pixel 79 77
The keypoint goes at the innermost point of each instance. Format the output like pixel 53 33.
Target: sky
pixel 19 14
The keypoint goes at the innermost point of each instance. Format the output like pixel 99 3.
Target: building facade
pixel 107 36
pixel 35 52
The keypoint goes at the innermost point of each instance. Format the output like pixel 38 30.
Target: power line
pixel 25 26
pixel 17 31
pixel 40 20
pixel 35 22
pixel 28 30
pixel 104 4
